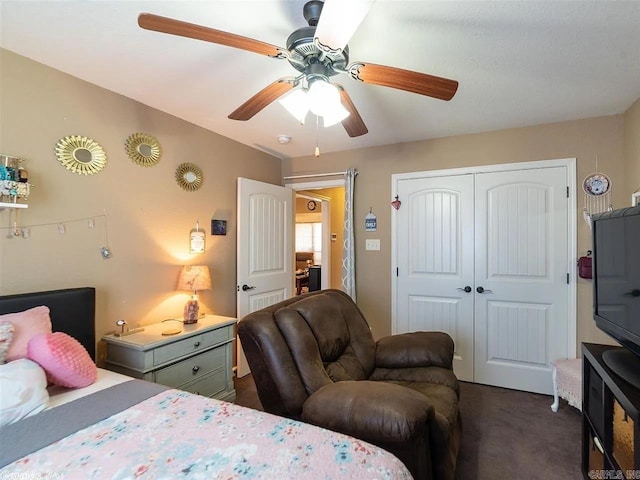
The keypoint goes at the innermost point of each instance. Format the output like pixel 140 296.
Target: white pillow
pixel 23 384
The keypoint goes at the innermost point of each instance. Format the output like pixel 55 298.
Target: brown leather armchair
pixel 314 359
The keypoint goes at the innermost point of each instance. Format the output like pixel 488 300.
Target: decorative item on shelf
pixel 125 330
pixel 14 182
pixel 597 195
pixel 143 149
pixel 196 239
pixel 189 176
pixel 193 278
pixel 81 155
pixel 396 203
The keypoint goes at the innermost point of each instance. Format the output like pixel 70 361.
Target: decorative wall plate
pixel 596 184
pixel 189 176
pixel 81 155
pixel 143 149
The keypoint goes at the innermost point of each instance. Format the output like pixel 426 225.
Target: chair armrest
pixel 371 411
pixel 416 349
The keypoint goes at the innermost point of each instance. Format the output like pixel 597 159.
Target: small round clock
pixel 311 205
pixel 596 184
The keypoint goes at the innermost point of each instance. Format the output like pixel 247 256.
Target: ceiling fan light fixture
pixel 323 97
pixel 335 115
pixel 297 104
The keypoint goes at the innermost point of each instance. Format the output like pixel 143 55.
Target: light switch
pixel 372 244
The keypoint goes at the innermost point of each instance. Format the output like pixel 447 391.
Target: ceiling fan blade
pixel 339 20
pixel 353 124
pixel 263 98
pixel 149 21
pixel 421 83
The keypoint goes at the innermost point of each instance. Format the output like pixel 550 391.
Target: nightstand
pixel 198 360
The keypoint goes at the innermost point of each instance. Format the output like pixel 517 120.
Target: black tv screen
pixel 616 275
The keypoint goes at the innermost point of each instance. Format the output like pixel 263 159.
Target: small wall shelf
pixel 4 205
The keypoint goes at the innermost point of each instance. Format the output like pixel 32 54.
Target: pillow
pixel 64 359
pixel 6 335
pixel 26 325
pixel 24 390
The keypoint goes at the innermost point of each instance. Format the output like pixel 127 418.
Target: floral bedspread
pixel 179 435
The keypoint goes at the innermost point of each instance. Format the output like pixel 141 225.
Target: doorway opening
pixel 319 226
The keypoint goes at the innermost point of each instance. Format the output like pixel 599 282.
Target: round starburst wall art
pixel 81 155
pixel 189 176
pixel 143 149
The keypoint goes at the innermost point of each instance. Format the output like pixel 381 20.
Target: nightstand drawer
pixel 190 345
pixel 191 368
pixel 208 385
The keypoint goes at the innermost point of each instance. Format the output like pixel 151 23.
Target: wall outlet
pixel 372 244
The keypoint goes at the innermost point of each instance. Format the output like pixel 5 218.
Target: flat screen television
pixel 616 287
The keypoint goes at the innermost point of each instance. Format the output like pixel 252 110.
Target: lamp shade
pixel 194 278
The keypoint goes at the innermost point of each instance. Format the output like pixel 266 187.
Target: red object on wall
pixel 585 267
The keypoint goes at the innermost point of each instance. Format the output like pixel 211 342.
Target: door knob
pixel 246 287
pixel 482 290
pixel 465 289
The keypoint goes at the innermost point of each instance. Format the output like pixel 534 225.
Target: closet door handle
pixel 465 289
pixel 246 287
pixel 482 290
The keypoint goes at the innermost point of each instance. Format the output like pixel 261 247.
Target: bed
pixel 119 427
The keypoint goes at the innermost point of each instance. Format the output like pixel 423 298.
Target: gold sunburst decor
pixel 81 155
pixel 143 149
pixel 189 176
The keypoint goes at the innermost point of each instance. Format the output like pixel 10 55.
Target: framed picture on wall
pixel 635 199
pixel 218 227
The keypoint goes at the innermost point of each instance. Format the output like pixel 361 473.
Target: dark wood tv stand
pixel 610 419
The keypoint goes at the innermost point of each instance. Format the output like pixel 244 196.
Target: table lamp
pixel 194 278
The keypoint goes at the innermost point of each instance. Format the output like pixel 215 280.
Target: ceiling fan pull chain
pixel 317 152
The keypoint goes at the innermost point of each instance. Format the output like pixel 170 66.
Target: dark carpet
pixel 506 434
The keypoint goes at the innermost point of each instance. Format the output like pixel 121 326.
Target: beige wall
pixel 583 140
pixel 632 148
pixel 148 216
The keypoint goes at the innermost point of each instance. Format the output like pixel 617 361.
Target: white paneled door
pixel 484 258
pixel 435 262
pixel 265 250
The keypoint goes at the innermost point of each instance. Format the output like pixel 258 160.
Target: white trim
pixel 572 247
pixel 503 167
pixel 312 175
pixel 318 184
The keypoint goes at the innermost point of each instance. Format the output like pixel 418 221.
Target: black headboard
pixel 73 311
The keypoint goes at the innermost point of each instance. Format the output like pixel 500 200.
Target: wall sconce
pixel 194 278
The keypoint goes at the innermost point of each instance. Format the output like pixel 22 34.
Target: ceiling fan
pixel 319 52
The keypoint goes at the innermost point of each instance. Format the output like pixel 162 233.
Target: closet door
pixel 504 235
pixel 521 264
pixel 435 235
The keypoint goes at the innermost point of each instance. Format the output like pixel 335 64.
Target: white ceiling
pixel 519 63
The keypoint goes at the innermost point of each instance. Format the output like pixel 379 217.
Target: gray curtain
pixel 348 248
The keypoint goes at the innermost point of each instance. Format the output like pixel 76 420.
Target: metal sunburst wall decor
pixel 81 155
pixel 143 149
pixel 189 176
